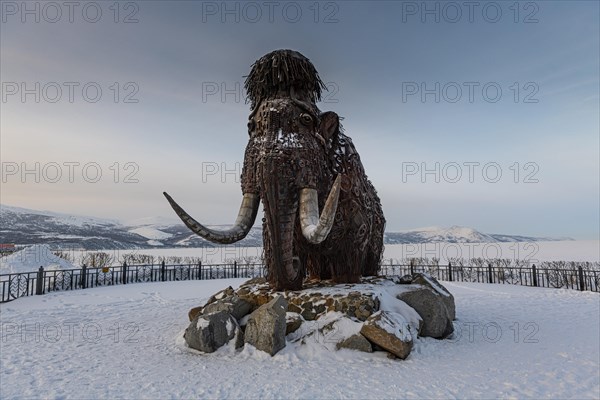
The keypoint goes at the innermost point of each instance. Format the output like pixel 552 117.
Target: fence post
pixel 235 272
pixel 581 280
pixel 412 266
pixel 124 278
pixel 534 275
pixel 84 276
pixel 200 270
pixel 39 284
pixel 490 275
pixel 449 271
pixel 163 271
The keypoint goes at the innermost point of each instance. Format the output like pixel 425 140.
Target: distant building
pixel 7 248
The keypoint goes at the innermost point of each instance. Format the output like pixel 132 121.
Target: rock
pixel 320 308
pixel 363 312
pixel 257 297
pixel 354 304
pixel 208 332
pixel 220 295
pixel 432 283
pixel 194 312
pixel 437 322
pixel 403 280
pixel 390 331
pixel 388 300
pixel 294 308
pixel 234 305
pixel 293 321
pixel 356 342
pixel 266 326
pixel 308 314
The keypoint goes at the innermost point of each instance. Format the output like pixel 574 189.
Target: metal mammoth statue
pixel 297 162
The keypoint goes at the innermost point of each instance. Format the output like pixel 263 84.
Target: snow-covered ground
pixel 125 342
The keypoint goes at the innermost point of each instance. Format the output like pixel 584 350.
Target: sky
pixel 479 114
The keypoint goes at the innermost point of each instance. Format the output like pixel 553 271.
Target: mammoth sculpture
pixel 298 161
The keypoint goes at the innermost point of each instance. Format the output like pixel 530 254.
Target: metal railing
pixel 575 277
pixel 13 286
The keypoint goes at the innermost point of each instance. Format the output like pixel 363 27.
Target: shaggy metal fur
pixel 289 151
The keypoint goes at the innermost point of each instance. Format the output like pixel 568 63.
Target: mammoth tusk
pixel 243 223
pixel 314 228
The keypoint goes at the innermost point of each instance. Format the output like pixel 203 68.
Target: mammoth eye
pixel 251 126
pixel 306 119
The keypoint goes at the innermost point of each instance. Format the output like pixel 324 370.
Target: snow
pixel 65 219
pixel 393 323
pixel 288 139
pixel 435 285
pixel 453 233
pixel 202 323
pixel 151 233
pixel 126 342
pixel 153 222
pixel 229 326
pixel 324 333
pixel 390 303
pixel 31 258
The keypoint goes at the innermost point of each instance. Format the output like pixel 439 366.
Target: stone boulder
pixel 220 295
pixel 432 283
pixel 266 326
pixel 437 322
pixel 356 342
pixel 194 312
pixel 293 322
pixel 390 331
pixel 233 304
pixel 208 332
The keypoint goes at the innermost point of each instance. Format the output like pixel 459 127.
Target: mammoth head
pixel 283 87
pixel 279 73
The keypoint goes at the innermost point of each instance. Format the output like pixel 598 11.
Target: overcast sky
pixel 483 115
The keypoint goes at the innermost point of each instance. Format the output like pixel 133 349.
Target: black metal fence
pixel 13 286
pixel 575 277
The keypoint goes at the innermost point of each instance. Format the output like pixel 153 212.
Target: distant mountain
pixel 24 226
pixel 454 234
pixel 457 234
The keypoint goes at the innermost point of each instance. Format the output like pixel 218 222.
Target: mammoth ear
pixel 329 124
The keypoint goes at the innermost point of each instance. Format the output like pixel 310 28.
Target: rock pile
pixel 376 314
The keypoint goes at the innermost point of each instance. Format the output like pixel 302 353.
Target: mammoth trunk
pixel 280 200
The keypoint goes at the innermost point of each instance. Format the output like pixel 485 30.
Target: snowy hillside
pixel 454 234
pixel 31 258
pixel 24 226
